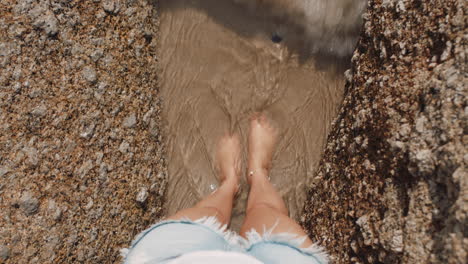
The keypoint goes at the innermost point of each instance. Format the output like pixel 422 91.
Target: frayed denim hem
pixel 287 239
pixel 253 238
pixel 210 223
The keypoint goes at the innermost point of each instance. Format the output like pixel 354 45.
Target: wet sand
pixel 220 65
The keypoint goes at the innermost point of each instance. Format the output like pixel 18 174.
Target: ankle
pixel 230 184
pixel 259 166
pixel 260 174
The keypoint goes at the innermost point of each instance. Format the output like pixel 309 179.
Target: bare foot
pixel 262 142
pixel 228 156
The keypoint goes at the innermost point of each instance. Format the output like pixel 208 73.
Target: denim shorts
pixel 168 240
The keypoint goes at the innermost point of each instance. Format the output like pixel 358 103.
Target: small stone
pixel 147 116
pixel 100 91
pixel 142 196
pixel 54 210
pixel 425 161
pixel 17 73
pixel 404 130
pixel 4 252
pixel 96 55
pixel 4 171
pixel 17 88
pixel 28 203
pixel 51 205
pixel 88 131
pixel 446 54
pixel 354 246
pixel 32 155
pixel 161 175
pixel 39 111
pixel 348 75
pixel 397 145
pixel 153 128
pixel 48 23
pixel 17 30
pixel 366 230
pixel 85 168
pixel 400 7
pixel 57 214
pixel 99 156
pixel 130 121
pixel 124 147
pixel 420 124
pixel 103 171
pixel 397 241
pixel 89 205
pixel 111 6
pixel 368 165
pixel 89 74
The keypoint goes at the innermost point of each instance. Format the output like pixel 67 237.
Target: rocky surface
pixel 392 186
pixel 82 168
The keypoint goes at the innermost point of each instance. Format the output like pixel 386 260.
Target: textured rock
pixel 4 253
pixel 29 204
pixel 130 121
pixel 111 6
pixel 142 196
pixel 68 79
pixel 392 184
pixel 89 73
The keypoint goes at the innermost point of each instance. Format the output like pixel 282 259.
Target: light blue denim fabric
pixel 271 252
pixel 168 240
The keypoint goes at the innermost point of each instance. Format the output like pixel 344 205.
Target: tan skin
pixel 265 207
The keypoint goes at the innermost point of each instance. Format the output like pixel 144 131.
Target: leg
pixel 265 207
pixel 219 203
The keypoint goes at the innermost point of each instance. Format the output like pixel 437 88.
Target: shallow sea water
pixel 220 64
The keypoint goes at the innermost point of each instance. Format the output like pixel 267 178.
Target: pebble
pixel 161 175
pixel 424 160
pixel 17 30
pixel 50 25
pixel 28 203
pixel 17 73
pixel 130 121
pixel 142 195
pixel 54 210
pixel 89 205
pixel 147 116
pixel 111 6
pixel 4 171
pixel 85 168
pixel 124 146
pixel 32 155
pixel 89 74
pixel 4 252
pixel 88 131
pixel 103 171
pixel 100 91
pixel 97 54
pixel 45 20
pixel 153 128
pixel 39 111
pixel 446 54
